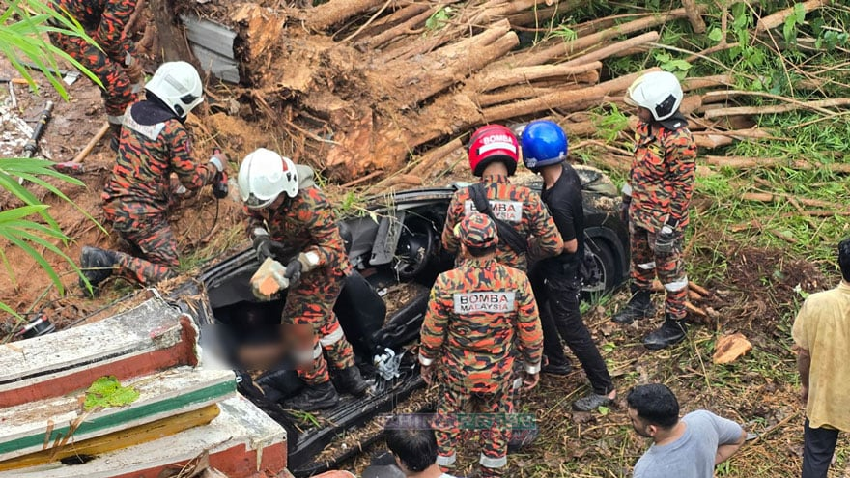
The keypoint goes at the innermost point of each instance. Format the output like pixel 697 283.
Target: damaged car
pixel 394 244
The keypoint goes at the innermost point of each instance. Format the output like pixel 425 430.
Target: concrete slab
pixel 26 428
pixel 149 337
pixel 242 442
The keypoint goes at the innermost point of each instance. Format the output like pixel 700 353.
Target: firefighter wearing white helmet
pixel 285 205
pixel 178 85
pixel 154 144
pixel 655 204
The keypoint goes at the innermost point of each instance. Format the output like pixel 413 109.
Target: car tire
pixel 605 260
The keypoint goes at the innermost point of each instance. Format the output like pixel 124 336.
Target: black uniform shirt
pixel 564 202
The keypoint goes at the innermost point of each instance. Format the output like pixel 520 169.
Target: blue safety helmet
pixel 543 143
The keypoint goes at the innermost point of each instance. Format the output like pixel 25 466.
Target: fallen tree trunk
pixel 694 16
pixel 559 99
pixel 552 49
pixel 747 162
pixel 613 48
pixel 776 19
pixel 781 197
pixel 336 11
pixel 701 82
pixel 391 21
pixel 772 109
pixel 497 79
pixel 429 161
pixel 450 64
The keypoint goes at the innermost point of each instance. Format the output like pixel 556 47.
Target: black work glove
pixel 262 245
pixel 293 270
pixel 665 240
pixel 624 209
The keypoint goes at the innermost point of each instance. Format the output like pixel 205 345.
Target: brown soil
pixel 753 290
pixel 25 288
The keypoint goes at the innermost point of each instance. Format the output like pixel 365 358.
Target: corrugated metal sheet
pixel 212 45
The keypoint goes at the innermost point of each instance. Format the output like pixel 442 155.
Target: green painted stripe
pixel 124 415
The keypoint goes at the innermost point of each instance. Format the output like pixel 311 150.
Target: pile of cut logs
pixel 390 89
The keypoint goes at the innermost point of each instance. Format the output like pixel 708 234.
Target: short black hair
pixel 414 447
pixel 655 404
pixel 844 258
pixel 480 251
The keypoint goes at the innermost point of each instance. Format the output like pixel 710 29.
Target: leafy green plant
pixel 22 29
pixel 22 37
pixel 438 19
pixel 107 392
pixel 789 28
pixel 610 123
pixel 676 66
pixel 564 32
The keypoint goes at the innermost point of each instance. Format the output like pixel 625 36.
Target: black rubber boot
pixel 557 368
pixel 96 265
pixel 348 380
pixel 639 307
pixel 670 333
pixel 314 397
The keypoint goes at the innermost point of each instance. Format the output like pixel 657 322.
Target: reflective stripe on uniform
pixel 305 356
pixel 647 266
pixel 493 462
pixel 676 286
pixel 317 352
pixel 116 120
pixel 425 361
pixel 447 460
pixel 532 369
pixel 332 337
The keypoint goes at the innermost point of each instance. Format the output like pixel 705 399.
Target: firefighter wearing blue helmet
pixel 557 281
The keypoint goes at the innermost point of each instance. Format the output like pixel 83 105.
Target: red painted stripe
pixel 182 353
pixel 235 462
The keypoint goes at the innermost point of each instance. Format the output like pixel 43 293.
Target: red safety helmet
pixel 493 143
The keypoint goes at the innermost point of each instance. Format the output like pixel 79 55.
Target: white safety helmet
pixel 178 84
pixel 658 91
pixel 265 174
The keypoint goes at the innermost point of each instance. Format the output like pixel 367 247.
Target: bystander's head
pixel 415 449
pixel 844 259
pixel 651 407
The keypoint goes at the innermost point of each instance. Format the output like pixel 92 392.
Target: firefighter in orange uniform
pixel 284 204
pixel 655 204
pixel 493 157
pixel 477 313
pixel 154 144
pixel 112 59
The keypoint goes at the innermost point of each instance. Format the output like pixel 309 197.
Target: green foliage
pixel 676 66
pixel 610 123
pixel 107 392
pixel 564 32
pixel 25 233
pixel 23 27
pixel 438 19
pixel 22 30
pixel 789 28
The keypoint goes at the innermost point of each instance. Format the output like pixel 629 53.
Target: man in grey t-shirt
pixel 686 448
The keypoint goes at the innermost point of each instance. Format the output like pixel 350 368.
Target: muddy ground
pixel 754 291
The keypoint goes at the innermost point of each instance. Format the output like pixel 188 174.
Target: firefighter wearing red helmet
pixel 493 157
